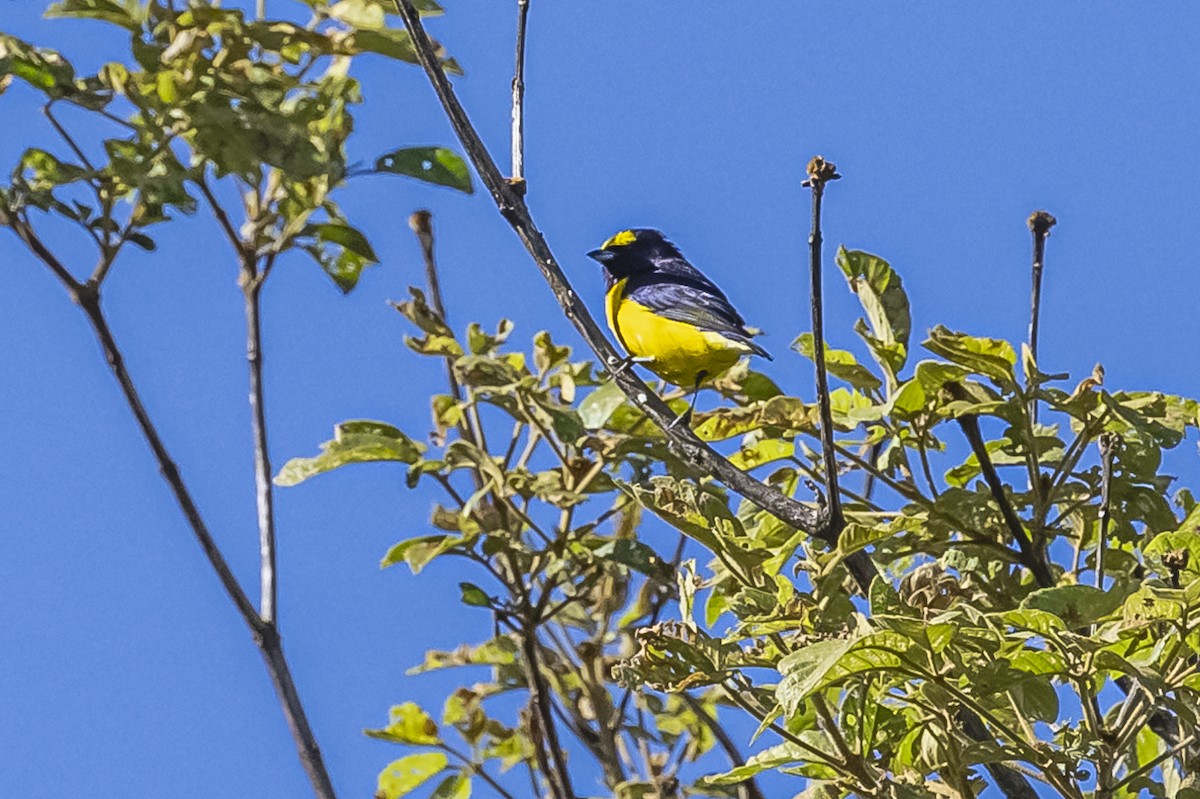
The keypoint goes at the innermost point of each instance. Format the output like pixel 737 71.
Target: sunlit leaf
pixel 353 442
pixel 402 776
pixel 437 165
pixel 408 724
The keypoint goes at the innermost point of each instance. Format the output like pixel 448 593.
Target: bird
pixel 667 315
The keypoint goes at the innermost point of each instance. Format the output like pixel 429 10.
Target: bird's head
pixel 632 251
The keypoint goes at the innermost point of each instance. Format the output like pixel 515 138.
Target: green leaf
pixel 360 441
pixel 342 251
pixel 1183 543
pixel 1076 605
pixel 408 724
pixel 841 364
pixel 474 595
pixel 986 356
pixel 401 776
pixel 419 552
pixel 438 165
pixel 598 407
pixel 882 295
pixel 772 758
pixel 42 69
pixel 129 14
pixel 636 555
pixel 456 786
pixel 808 670
pixel 760 453
pixel 345 236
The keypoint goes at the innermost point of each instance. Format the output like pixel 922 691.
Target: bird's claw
pixel 627 362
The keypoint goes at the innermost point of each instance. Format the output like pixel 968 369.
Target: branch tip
pixel 820 172
pixel 421 222
pixel 1040 223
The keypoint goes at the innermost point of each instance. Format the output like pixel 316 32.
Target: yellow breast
pixel 680 352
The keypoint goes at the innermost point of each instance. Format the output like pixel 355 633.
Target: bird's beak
pixel 603 256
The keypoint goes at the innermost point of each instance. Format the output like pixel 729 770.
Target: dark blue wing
pixel 692 299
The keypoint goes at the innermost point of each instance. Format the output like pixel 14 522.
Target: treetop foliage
pixel 1039 573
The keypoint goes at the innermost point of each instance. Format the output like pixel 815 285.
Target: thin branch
pixel 476 768
pixel 252 284
pixel 62 132
pixel 1108 449
pixel 1040 223
pixel 539 699
pixel 1031 559
pixel 513 208
pixel 518 101
pixel 222 217
pixel 749 786
pixel 1151 765
pixel 820 172
pixel 266 637
pixel 421 223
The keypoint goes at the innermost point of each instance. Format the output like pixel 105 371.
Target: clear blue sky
pixel 124 671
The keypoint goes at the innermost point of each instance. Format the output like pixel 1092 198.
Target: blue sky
pixel 123 669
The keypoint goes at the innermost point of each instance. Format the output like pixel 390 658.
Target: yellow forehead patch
pixel 620 240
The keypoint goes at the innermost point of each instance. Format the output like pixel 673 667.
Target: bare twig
pixel 518 101
pixel 252 283
pixel 820 172
pixel 1040 223
pixel 421 223
pixel 513 208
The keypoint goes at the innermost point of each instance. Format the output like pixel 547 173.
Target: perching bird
pixel 666 314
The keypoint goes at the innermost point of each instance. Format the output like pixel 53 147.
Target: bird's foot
pixel 627 362
pixel 682 420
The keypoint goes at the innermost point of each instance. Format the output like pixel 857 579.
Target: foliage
pixel 211 97
pixel 862 696
pixel 637 605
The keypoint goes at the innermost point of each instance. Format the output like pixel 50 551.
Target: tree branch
pixel 513 208
pixel 1030 557
pixel 266 637
pixel 821 172
pixel 518 101
pixel 1040 223
pixel 749 787
pixel 252 282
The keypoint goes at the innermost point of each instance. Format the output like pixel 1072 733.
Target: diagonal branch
pixel 513 208
pixel 1030 557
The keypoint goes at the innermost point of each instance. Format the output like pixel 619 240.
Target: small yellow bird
pixel 667 315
